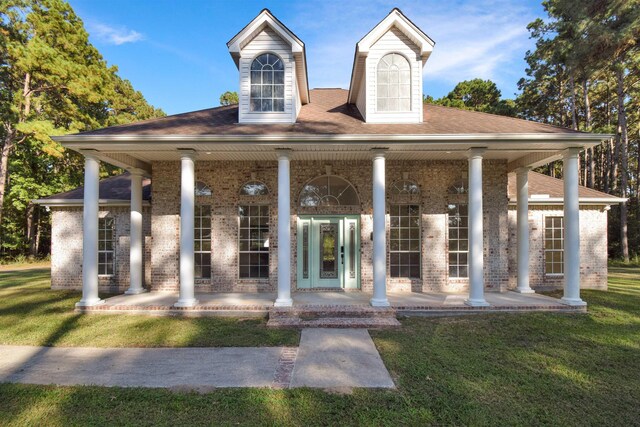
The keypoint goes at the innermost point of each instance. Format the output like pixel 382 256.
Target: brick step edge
pixel 333 322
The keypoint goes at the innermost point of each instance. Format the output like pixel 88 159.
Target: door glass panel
pixel 328 251
pixel 305 251
pixel 352 250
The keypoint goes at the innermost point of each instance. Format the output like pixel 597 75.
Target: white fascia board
pixel 80 202
pixel 395 18
pixel 265 18
pixel 78 141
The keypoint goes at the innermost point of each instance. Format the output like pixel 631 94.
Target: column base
pixel 283 302
pixel 476 302
pixel 90 302
pixel 525 291
pixel 186 303
pixel 135 291
pixel 576 302
pixel 375 302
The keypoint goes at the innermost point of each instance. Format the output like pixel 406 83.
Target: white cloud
pixel 112 35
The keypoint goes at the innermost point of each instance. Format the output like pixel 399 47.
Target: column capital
pixel 523 170
pixel 571 152
pixel 476 152
pixel 379 152
pixel 91 154
pixel 284 153
pixel 187 153
pixel 136 172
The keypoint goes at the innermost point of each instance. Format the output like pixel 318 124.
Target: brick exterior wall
pixel 66 249
pixel 593 248
pixel 162 227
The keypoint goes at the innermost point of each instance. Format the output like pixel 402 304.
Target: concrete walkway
pixel 325 358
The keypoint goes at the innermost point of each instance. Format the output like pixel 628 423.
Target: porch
pixel 329 308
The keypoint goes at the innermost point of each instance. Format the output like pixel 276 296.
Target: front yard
pixel 496 369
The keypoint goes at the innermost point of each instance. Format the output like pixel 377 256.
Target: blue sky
pixel 175 52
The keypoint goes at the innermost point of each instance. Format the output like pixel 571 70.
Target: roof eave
pixel 583 201
pixel 585 138
pixel 53 203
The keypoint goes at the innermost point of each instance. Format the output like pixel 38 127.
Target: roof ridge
pixel 509 117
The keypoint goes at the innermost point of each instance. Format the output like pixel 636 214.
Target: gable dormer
pixel 273 71
pixel 386 80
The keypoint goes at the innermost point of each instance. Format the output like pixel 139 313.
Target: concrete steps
pixel 332 317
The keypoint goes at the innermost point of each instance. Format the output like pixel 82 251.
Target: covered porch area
pixel 329 308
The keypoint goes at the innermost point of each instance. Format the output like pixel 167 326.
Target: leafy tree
pixel 229 98
pixel 476 95
pixel 52 82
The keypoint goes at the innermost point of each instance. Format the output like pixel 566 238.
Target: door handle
pixel 342 254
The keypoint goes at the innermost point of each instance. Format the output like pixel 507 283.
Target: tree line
pixel 53 81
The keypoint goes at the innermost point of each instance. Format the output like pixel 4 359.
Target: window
pixel 553 245
pixel 458 240
pixel 253 242
pixel 106 252
pixel 328 190
pixel 404 187
pixel 202 242
pixel 404 241
pixel 459 187
pixel 394 83
pixel 254 188
pixel 202 189
pixel 267 83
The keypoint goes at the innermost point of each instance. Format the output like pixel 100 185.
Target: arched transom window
pixel 254 188
pixel 267 83
pixel 461 186
pixel 328 190
pixel 404 186
pixel 202 189
pixel 394 83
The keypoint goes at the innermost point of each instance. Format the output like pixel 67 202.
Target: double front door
pixel 328 252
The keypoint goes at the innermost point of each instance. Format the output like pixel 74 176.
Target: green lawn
pixel 33 314
pixel 499 369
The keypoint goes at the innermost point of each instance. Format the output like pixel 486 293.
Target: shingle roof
pixel 328 113
pixel 113 188
pixel 540 184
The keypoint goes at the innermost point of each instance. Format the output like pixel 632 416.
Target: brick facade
pixel 66 248
pixel 593 248
pixel 162 226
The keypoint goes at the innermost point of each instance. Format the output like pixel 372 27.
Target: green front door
pixel 328 252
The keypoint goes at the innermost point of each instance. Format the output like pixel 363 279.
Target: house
pixel 366 189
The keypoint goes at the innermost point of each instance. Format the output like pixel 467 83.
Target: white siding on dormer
pixel 393 41
pixel 266 41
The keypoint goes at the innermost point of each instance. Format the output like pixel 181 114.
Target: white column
pixel 571 228
pixel 284 231
pixel 522 182
pixel 187 218
pixel 135 240
pixel 476 239
pixel 379 232
pixel 90 233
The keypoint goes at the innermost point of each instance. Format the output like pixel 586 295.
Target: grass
pixel 33 314
pixel 496 369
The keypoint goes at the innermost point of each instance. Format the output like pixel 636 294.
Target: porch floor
pixel 259 304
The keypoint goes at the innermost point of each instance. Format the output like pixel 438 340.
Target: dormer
pixel 272 64
pixel 386 80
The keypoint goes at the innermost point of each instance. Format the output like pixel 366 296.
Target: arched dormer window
pixel 404 186
pixel 254 188
pixel 267 83
pixel 394 83
pixel 202 189
pixel 328 190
